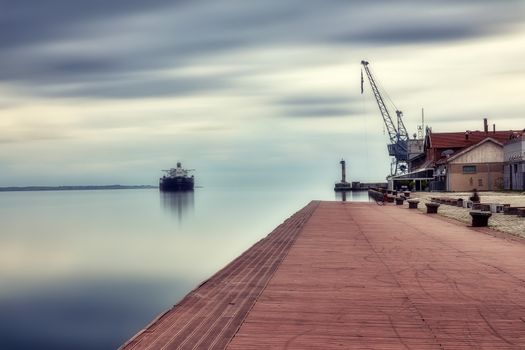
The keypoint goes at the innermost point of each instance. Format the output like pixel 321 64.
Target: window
pixel 469 169
pixel 480 182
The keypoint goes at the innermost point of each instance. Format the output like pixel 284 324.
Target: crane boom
pixel 392 131
pixel 398 147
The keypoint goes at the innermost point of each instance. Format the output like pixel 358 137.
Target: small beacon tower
pixel 343 185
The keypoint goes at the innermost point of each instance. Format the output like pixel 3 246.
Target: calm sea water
pixel 88 269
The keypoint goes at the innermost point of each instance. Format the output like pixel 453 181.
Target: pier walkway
pixel 342 275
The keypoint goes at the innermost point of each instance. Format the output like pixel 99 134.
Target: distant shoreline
pixel 73 188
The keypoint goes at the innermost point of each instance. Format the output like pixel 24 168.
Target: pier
pixel 349 275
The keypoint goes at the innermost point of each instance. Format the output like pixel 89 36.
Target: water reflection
pixel 341 196
pixel 178 203
pixel 352 196
pixel 94 313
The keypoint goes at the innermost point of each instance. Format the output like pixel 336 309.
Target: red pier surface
pixel 357 276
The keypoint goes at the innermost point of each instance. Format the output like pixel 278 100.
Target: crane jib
pixel 398 147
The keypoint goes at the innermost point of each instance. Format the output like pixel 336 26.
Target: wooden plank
pixel 364 276
pixel 357 276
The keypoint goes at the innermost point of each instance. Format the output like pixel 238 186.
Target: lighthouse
pixel 343 170
pixel 343 185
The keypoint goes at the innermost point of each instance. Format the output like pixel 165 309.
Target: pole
pixel 343 170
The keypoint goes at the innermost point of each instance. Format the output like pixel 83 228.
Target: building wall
pixel 514 172
pixel 487 152
pixel 415 147
pixel 480 168
pixel 514 175
pixel 487 177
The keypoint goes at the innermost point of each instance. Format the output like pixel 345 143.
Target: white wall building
pixel 514 168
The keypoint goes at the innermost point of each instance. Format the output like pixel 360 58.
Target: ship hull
pixel 168 184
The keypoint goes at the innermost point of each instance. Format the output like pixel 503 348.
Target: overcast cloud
pixel 112 91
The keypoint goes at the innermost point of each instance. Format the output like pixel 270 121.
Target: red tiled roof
pixel 458 139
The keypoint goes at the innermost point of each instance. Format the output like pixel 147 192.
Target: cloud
pixel 407 22
pixel 319 112
pixel 316 106
pixel 140 87
pixel 133 85
pixel 415 34
pixel 315 100
pixel 23 22
pixel 73 46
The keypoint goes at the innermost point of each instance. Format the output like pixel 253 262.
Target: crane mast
pixel 398 147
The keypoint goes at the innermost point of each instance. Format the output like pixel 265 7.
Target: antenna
pixel 421 127
pixel 422 118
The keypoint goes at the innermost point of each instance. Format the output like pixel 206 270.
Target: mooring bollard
pixel 412 203
pixel 399 200
pixel 432 208
pixel 480 218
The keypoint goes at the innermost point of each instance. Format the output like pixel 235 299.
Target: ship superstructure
pixel 177 179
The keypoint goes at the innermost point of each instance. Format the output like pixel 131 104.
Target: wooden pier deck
pixel 357 276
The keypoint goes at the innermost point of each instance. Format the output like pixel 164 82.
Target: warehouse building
pixel 462 161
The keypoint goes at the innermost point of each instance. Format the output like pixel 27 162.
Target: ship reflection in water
pixel 178 203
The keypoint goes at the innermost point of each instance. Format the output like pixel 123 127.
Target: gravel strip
pixel 511 224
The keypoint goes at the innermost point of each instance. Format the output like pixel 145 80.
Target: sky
pixel 245 92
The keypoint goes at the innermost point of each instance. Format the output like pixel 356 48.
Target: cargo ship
pixel 176 179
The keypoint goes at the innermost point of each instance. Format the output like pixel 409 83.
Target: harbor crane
pixel 398 147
